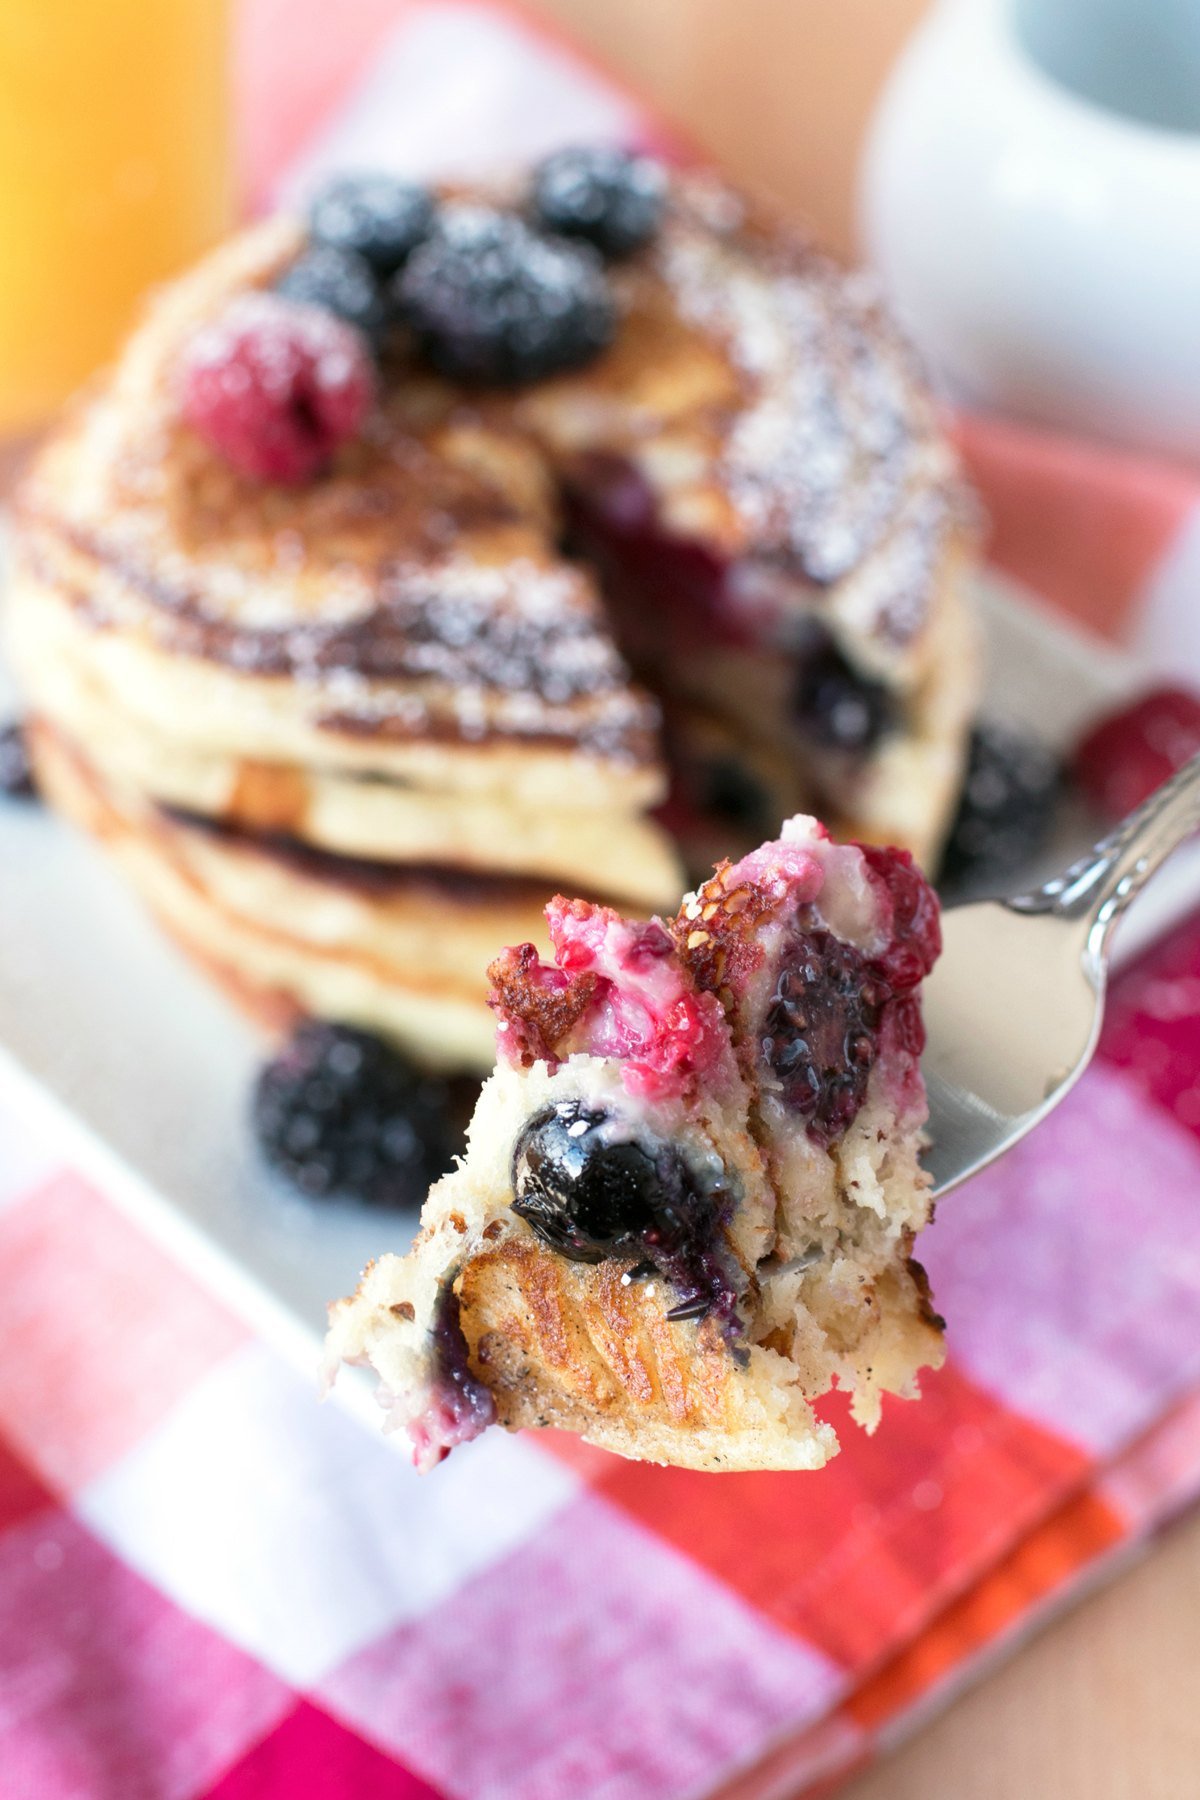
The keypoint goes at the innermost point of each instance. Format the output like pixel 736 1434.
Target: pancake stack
pixel 347 736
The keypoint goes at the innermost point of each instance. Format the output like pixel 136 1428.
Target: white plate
pixel 148 1071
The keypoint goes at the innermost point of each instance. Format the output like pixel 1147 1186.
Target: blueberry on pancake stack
pixel 435 552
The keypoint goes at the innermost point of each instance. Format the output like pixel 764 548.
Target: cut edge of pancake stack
pixel 347 736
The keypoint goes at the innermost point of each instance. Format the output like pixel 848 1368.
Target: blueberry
pixel 729 790
pixel 340 282
pixel 1007 807
pixel 833 705
pixel 340 1113
pixel 590 1193
pixel 821 1031
pixel 492 302
pixel 378 217
pixel 609 197
pixel 16 770
pixel 581 1193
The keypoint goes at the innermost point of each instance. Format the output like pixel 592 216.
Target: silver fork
pixel 1014 1004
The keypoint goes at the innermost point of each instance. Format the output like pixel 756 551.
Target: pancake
pixel 515 814
pixel 398 661
pixel 401 950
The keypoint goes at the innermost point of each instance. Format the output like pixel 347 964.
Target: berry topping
pixel 492 302
pixel 618 988
pixel 590 1192
pixel 341 1113
pixel 338 282
pixel 1126 756
pixel 916 929
pixel 1007 805
pixel 458 1406
pixel 16 770
pixel 836 707
pixel 276 387
pixel 821 1031
pixel 379 217
pixel 611 198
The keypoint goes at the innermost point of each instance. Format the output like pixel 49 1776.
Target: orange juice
pixel 114 171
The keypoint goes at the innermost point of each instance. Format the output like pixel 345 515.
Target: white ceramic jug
pixel 1031 195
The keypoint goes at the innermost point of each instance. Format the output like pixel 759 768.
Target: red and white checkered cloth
pixel 212 1587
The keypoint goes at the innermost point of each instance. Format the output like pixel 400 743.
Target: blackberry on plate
pixel 492 302
pixel 1007 806
pixel 378 217
pixel 340 282
pixel 612 198
pixel 16 770
pixel 342 1114
pixel 833 705
pixel 591 1194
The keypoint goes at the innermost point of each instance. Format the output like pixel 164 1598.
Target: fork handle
pixel 1101 884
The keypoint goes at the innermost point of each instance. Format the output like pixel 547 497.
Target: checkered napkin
pixel 212 1586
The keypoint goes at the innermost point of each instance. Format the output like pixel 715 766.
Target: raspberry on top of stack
pixel 439 550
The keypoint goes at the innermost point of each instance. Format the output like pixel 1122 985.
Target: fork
pixel 1015 1002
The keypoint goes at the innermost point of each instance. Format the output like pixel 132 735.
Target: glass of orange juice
pixel 115 170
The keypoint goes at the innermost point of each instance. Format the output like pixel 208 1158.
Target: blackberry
pixel 492 302
pixel 16 770
pixel 339 282
pixel 377 217
pixel 591 1195
pixel 608 197
pixel 342 1114
pixel 1007 807
pixel 821 1031
pixel 833 705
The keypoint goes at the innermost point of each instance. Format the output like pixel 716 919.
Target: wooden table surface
pixel 1105 1703
pixel 1102 1705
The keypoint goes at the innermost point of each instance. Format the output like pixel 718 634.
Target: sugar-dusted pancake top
pixel 761 393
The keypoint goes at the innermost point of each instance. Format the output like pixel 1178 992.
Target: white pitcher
pixel 1031 195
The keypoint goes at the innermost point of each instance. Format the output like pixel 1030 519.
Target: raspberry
pixel 916 941
pixel 276 388
pixel 338 282
pixel 492 302
pixel 609 197
pixel 1121 760
pixel 377 217
pixel 340 1113
pixel 16 770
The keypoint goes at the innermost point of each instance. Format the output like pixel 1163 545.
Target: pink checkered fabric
pixel 213 1589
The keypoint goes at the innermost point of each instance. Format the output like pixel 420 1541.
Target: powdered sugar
pixel 832 459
